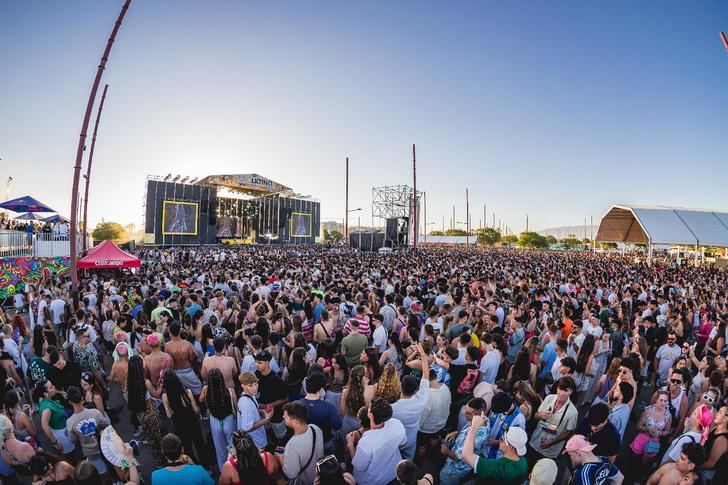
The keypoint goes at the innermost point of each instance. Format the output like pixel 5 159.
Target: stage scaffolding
pixel 393 201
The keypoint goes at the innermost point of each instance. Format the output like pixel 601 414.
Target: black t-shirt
pixel 69 376
pixel 271 388
pixel 607 439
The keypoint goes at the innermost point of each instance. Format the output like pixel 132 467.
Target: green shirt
pixel 352 346
pixel 502 469
pixel 58 414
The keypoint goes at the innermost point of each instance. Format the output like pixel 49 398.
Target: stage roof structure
pixel 248 183
pixel 664 225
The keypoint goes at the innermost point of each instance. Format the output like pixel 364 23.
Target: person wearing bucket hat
pixel 511 468
pixel 588 467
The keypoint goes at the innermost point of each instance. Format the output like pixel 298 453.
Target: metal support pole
pixel 88 168
pixel 346 206
pixel 414 197
pixel 424 194
pixel 467 218
pixel 82 145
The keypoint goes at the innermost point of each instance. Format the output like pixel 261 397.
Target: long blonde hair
pixel 388 387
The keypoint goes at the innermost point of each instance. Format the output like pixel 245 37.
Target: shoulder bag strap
pixel 313 451
pixel 325 331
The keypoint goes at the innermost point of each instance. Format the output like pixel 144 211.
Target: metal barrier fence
pixel 17 244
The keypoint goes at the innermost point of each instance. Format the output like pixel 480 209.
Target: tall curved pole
pixel 88 168
pixel 82 145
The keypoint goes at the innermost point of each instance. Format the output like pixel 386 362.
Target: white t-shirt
pixel 667 356
pixel 379 338
pixel 57 308
pixel 41 305
pixel 673 452
pixel 596 331
pixel 437 410
pixel 378 455
pixel 408 412
pixel 489 365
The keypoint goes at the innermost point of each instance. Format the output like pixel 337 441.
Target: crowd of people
pixel 325 365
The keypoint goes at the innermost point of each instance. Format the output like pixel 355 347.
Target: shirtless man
pixel 157 361
pixel 220 360
pixel 681 472
pixel 183 359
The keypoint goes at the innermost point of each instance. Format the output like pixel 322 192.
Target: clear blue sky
pixel 552 108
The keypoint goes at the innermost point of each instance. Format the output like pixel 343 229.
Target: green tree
pixel 488 236
pixel 509 239
pixel 608 245
pixel 529 239
pixel 110 230
pixel 436 233
pixel 551 239
pixel 586 241
pixel 570 241
pixel 327 236
pixel 456 232
pixel 336 236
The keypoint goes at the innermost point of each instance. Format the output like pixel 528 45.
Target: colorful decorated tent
pixel 108 255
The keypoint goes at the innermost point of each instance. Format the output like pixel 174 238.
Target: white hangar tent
pixel 663 225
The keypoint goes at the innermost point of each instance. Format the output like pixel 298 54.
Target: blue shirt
pixel 317 312
pixel 481 443
pixel 188 474
pixel 324 415
pixel 443 377
pixel 248 415
pixel 595 473
pixel 515 344
pixel 194 308
pixel 548 358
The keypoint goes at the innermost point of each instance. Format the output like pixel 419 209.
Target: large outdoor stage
pixel 244 208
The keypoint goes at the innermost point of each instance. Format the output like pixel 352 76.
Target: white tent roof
pixel 445 239
pixel 664 225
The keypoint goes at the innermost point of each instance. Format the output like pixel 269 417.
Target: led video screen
pixel 179 218
pixel 228 227
pixel 300 224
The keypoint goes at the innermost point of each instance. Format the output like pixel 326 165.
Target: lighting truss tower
pixel 394 201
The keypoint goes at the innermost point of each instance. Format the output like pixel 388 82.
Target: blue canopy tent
pixel 25 204
pixel 54 218
pixel 29 216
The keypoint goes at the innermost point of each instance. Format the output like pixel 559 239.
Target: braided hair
pixel 355 392
pixel 218 397
pixel 136 386
pixel 247 458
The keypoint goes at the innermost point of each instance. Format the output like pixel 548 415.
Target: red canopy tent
pixel 108 255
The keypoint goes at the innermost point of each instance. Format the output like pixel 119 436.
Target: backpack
pixel 469 381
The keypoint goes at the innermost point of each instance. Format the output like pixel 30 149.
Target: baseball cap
pixel 517 438
pixel 263 355
pixel 578 443
pixel 544 473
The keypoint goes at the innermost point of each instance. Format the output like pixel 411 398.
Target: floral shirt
pixel 481 443
pixel 86 358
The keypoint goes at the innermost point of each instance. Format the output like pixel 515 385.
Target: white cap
pixel 517 438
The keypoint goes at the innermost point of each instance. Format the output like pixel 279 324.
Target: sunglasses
pixel 708 399
pixel 676 381
pixel 326 459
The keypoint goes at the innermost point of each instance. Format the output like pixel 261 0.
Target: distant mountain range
pixel 564 231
